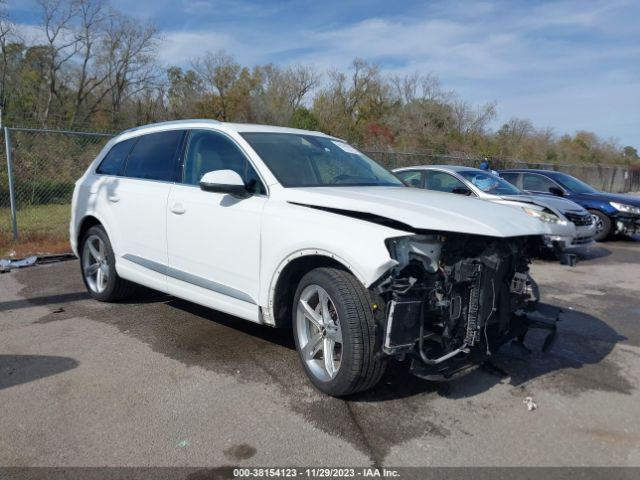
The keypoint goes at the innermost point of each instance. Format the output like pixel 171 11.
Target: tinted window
pixel 536 183
pixel 573 183
pixel 511 177
pixel 413 178
pixel 209 151
pixel 442 182
pixel 153 156
pixel 113 161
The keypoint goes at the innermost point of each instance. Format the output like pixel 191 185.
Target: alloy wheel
pixel 94 264
pixel 319 333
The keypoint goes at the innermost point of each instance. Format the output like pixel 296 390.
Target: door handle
pixel 178 209
pixel 114 198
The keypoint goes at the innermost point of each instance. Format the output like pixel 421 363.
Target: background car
pixel 571 225
pixel 612 213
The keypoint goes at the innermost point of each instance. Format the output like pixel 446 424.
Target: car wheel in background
pixel 98 266
pixel 603 225
pixel 335 332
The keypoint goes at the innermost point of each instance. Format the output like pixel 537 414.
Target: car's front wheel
pixel 603 225
pixel 98 265
pixel 335 332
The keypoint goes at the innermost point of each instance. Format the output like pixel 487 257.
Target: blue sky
pixel 568 65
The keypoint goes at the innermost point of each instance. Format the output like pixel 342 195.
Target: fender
pixel 268 313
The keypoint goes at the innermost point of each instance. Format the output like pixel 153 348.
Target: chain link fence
pixel 35 194
pixel 46 163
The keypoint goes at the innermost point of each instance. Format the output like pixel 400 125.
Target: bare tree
pixel 281 91
pixel 93 16
pixel 219 71
pixel 6 32
pixel 129 54
pixel 61 41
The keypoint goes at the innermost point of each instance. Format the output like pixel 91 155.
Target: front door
pixel 213 238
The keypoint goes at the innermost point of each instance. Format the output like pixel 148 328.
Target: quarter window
pixel 115 159
pixel 209 151
pixel 154 156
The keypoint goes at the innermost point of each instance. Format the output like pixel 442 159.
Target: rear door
pixel 137 203
pixel 214 238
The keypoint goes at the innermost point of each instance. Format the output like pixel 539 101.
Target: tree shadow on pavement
pixel 19 369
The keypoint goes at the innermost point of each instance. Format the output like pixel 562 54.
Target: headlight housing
pixel 544 216
pixel 623 207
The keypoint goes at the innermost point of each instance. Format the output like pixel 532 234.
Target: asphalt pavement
pixel 157 381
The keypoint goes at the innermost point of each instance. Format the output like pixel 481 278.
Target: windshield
pixel 490 183
pixel 299 160
pixel 572 183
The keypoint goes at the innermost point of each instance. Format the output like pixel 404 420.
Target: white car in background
pixel 571 225
pixel 291 228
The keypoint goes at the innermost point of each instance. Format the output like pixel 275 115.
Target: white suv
pixel 292 228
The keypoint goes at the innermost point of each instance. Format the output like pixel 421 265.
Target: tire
pixel 603 225
pixel 97 261
pixel 348 319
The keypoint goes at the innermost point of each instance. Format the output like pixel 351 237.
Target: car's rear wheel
pixel 98 265
pixel 603 225
pixel 335 333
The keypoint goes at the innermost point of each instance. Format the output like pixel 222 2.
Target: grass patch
pixel 41 229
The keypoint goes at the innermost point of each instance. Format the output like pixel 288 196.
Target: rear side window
pixel 154 156
pixel 113 162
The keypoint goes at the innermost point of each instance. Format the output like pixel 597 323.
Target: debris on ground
pixel 531 405
pixel 6 264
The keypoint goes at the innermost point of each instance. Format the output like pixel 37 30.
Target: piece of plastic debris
pixel 184 443
pixel 6 264
pixel 531 405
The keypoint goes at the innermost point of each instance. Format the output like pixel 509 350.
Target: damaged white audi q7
pixel 297 229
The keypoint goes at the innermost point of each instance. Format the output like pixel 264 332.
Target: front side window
pixel 208 151
pixel 537 183
pixel 299 160
pixel 114 160
pixel 572 183
pixel 154 156
pixel 442 182
pixel 412 178
pixel 511 177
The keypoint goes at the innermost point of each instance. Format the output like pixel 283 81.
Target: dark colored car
pixel 613 213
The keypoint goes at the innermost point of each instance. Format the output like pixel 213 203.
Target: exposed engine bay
pixel 454 299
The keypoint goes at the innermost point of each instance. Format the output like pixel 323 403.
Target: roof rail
pixel 172 122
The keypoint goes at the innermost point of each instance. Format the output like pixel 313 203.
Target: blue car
pixel 613 213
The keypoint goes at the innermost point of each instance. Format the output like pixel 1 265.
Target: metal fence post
pixel 12 191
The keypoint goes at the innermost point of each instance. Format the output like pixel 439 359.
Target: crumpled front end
pixel 454 299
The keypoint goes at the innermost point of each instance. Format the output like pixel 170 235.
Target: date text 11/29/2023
pixel 316 472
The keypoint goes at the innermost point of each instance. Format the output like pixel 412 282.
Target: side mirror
pixel 557 191
pixel 224 181
pixel 461 191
